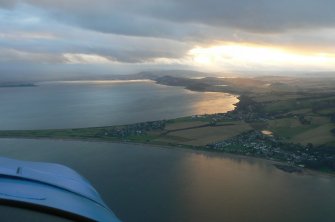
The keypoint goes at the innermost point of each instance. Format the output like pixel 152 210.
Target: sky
pixel 50 39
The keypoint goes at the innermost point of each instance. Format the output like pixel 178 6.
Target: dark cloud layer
pixel 255 15
pixel 142 31
pixel 161 18
pixel 7 3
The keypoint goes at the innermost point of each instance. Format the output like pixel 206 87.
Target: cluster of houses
pixel 255 143
pixel 132 130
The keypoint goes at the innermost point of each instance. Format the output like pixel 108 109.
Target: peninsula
pixel 286 119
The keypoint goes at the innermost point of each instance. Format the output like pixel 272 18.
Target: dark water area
pixel 101 103
pixel 144 184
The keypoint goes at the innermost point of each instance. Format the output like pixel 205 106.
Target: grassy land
pixel 317 136
pixel 211 134
pixel 186 131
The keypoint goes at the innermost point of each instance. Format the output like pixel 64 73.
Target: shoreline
pixel 241 136
pixel 274 163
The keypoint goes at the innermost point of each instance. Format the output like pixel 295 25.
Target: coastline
pixel 247 120
pixel 303 171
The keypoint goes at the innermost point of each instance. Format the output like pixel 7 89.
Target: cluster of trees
pixel 303 121
pixel 332 117
pixel 325 158
pixel 324 163
pixel 246 104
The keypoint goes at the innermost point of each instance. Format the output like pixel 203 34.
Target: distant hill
pixel 177 73
pixel 16 84
pixel 153 75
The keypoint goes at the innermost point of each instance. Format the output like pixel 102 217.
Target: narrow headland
pixel 282 119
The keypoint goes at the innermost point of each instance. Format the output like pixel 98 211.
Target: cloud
pixel 182 19
pixel 15 56
pixel 8 3
pixel 158 18
pixel 49 36
pixel 254 16
pixel 114 48
pixel 72 58
pixel 156 32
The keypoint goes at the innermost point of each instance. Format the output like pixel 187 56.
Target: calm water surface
pixel 86 104
pixel 144 184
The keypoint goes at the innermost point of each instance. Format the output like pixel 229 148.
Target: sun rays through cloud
pixel 247 55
